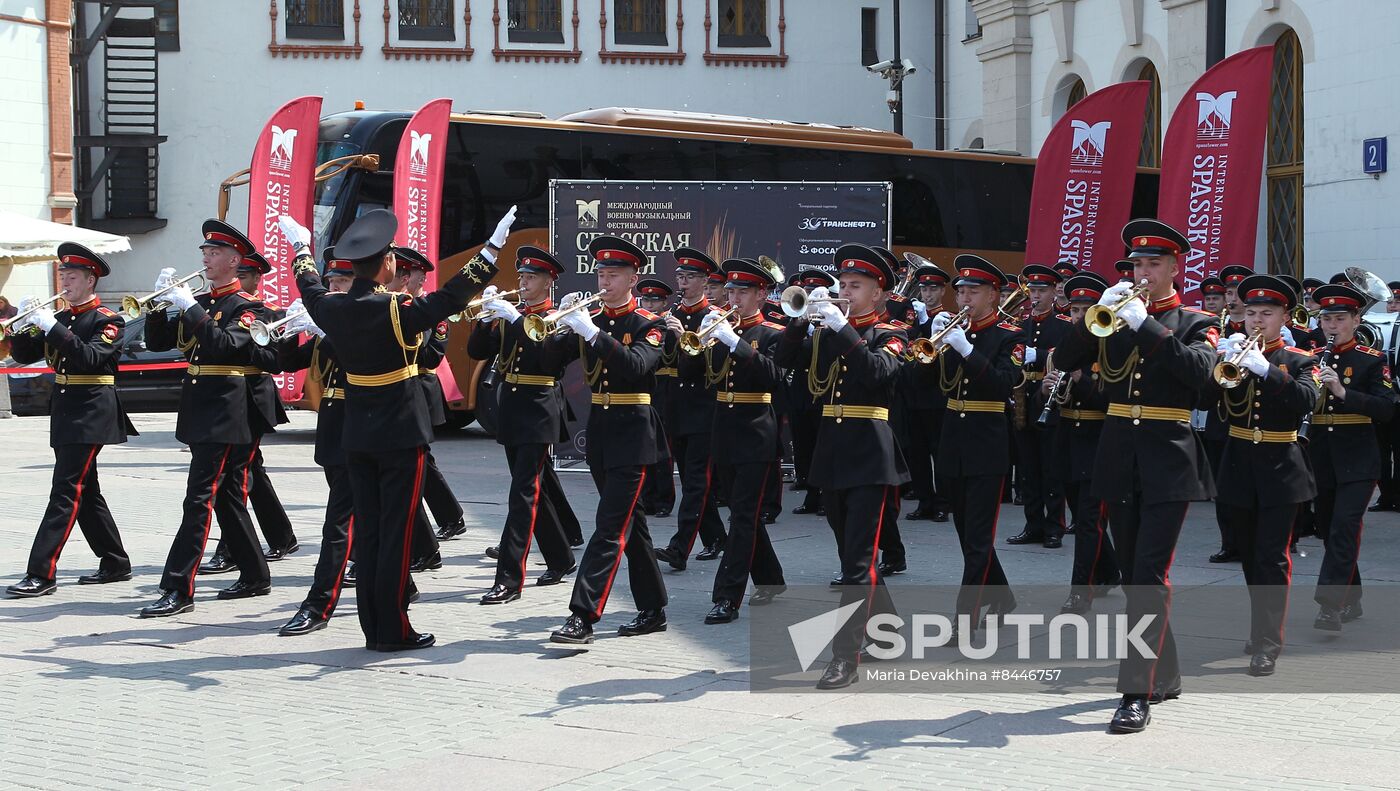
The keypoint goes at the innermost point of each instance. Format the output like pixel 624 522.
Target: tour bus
pixel 944 202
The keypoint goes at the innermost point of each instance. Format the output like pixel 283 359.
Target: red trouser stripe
pixel 407 541
pixel 340 575
pixel 1167 610
pixel 534 515
pixel 704 504
pixel 209 516
pixel 73 517
pixel 621 546
pixel 991 553
pixel 1098 544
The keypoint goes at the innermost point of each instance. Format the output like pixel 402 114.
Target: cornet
pixel 475 305
pixel 264 333
pixel 693 343
pixel 1102 320
pixel 538 327
pixel 1228 373
pixel 926 350
pixel 797 304
pixel 10 322
pixel 133 306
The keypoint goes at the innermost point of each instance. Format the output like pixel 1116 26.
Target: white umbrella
pixel 25 240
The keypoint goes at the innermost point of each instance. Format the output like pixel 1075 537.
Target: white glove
pixel 920 310
pixel 1030 355
pixel 1288 336
pixel 300 324
pixel 1255 363
pixel 956 339
pixel 724 333
pixel 940 321
pixel 181 297
pixel 501 309
pixel 295 307
pixel 20 325
pixel 1230 345
pixel 298 236
pixel 44 319
pixel 832 317
pixel 314 330
pixel 581 322
pixel 1114 293
pixel 489 293
pixel 165 278
pixel 498 239
pixel 1133 314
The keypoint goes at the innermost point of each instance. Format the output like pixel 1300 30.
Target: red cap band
pixel 1156 241
pixel 232 241
pixel 865 268
pixel 745 277
pixel 618 255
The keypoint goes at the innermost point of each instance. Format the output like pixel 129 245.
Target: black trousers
pixel 337 542
pixel 1095 562
pixel 438 495
pixel 748 552
pixel 554 493
pixel 659 494
pixel 217 487
pixel 1145 536
pixel 772 493
pixel 1388 437
pixel 976 505
pixel 530 513
pixel 698 514
pixel 857 515
pixel 924 428
pixel 891 544
pixel 1215 448
pixel 620 529
pixel 1262 536
pixel 805 425
pixel 423 541
pixel 1042 493
pixel 387 488
pixel 75 496
pixel 1340 513
pixel 267 508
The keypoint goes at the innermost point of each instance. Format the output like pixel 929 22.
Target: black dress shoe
pixel 576 542
pixel 500 594
pixel 423 640
pixel 552 577
pixel 1025 537
pixel 574 632
pixel 920 514
pixel 1262 665
pixel 1002 607
pixel 449 532
pixel 1381 505
pixel 432 562
pixel 1132 716
pixel 1165 692
pixel 493 552
pixel 712 552
pixel 349 579
pixel 304 622
pixel 646 622
pixel 724 611
pixel 1016 499
pixel 32 586
pixel 171 603
pixel 765 595
pixel 221 563
pixel 940 516
pixel 273 555
pixel 1225 556
pixel 1351 612
pixel 888 569
pixel 103 576
pixel 803 508
pixel 798 486
pixel 839 673
pixel 1069 530
pixel 838 580
pixel 909 495
pixel 661 513
pixel 821 510
pixel 1053 542
pixel 770 518
pixel 671 557
pixel 1077 604
pixel 1329 619
pixel 245 590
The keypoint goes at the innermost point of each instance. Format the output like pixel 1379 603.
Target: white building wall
pixel 24 135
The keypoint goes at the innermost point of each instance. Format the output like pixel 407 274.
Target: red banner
pixel 282 181
pixel 1083 187
pixel 418 172
pixel 1212 164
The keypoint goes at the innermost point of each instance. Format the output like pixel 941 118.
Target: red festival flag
pixel 1212 163
pixel 1083 189
pixel 282 181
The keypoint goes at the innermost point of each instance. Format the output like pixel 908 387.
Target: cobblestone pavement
pixel 97 698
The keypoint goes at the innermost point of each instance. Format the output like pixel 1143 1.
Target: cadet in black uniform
pixel 853 366
pixel 805 413
pixel 387 427
pixel 1066 271
pixel 1264 475
pixel 926 408
pixel 219 418
pixel 738 368
pixel 1217 427
pixel 1082 411
pixel 529 420
pixel 692 413
pixel 1387 434
pixel 1042 492
pixel 1354 391
pixel 975 371
pixel 80 343
pixel 1124 268
pixel 620 348
pixel 659 495
pixel 1150 463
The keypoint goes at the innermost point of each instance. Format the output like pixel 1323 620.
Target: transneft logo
pixel 818 223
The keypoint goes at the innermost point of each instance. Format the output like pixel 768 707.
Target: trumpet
pixel 1228 373
pixel 10 322
pixel 693 343
pixel 926 350
pixel 476 304
pixel 1102 320
pixel 1301 314
pixel 134 306
pixel 797 304
pixel 264 333
pixel 538 327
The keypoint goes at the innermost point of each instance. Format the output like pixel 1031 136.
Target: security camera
pixel 882 66
pixel 908 67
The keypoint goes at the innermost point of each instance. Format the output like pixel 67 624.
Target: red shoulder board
pixel 895 344
pixel 1197 310
pixel 1063 317
pixel 109 332
pixel 246 319
pixel 646 314
pixel 407 300
pixel 887 326
pixel 773 326
pixel 441 332
pixel 103 311
pixel 270 303
pixel 1303 352
pixel 248 296
pixel 653 336
pixel 1213 334
pixel 1009 325
pixel 1370 351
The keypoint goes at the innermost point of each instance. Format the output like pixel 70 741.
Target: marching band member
pixel 659 495
pixel 1263 475
pixel 220 418
pixel 1387 434
pixel 692 416
pixel 1124 268
pixel 1217 427
pixel 387 427
pixel 738 368
pixel 1213 295
pixel 529 420
pixel 805 412
pixel 619 358
pixel 853 367
pixel 927 406
pixel 80 343
pixel 1354 390
pixel 714 278
pixel 1066 270
pixel 1150 464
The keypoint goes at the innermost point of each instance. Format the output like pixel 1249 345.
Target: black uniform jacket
pixel 861 364
pixel 974 438
pixel 1165 364
pixel 530 412
pixel 1081 419
pixel 619 362
pixel 264 388
pixel 1254 471
pixel 1342 441
pixel 83 343
pixel 743 431
pixel 318 355
pixel 430 356
pixel 1043 333
pixel 392 415
pixel 691 406
pixel 217 401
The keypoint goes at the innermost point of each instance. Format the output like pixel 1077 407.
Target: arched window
pixel 1285 163
pixel 1150 151
pixel 1077 93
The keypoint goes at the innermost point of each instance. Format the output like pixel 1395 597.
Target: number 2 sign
pixel 1373 155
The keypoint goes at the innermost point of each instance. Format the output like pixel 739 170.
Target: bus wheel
pixel 486 408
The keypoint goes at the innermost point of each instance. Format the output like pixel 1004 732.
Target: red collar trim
pixel 977 326
pixel 1165 304
pixel 223 291
pixel 91 304
pixel 749 321
pixel 865 320
pixel 613 313
pixel 1274 345
pixel 1344 347
pixel 1042 316
pixel 543 306
pixel 703 304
